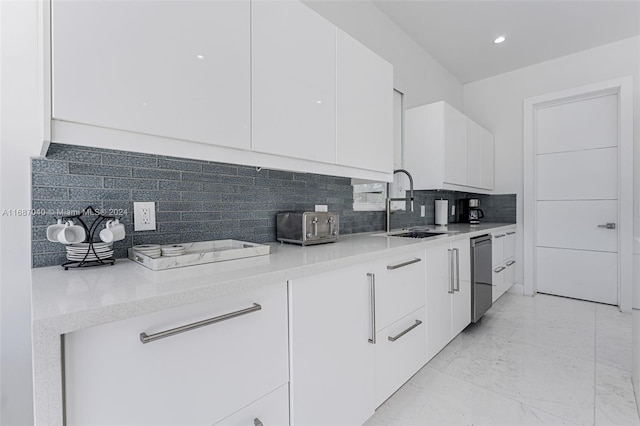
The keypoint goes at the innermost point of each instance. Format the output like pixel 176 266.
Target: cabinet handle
pixel 372 277
pixel 457 269
pixel 146 338
pixel 511 262
pixel 450 271
pixel 400 265
pixel 394 338
pixel 511 232
pixel 500 269
pixel 499 236
pixel 257 422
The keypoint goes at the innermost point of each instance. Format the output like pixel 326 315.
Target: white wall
pixel 416 73
pixel 21 130
pixel 497 104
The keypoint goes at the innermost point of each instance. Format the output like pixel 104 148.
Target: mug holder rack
pixel 90 231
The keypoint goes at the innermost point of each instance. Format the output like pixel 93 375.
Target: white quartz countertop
pixel 65 301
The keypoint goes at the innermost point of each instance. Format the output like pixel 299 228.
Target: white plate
pixel 87 258
pixel 171 254
pixel 85 249
pixel 86 245
pixel 147 247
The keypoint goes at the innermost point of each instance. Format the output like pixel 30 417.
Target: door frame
pixel 623 87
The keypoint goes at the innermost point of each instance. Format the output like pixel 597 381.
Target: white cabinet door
pixel 332 360
pixel 479 156
pixel 400 287
pixel 400 352
pixel 461 298
pixel 474 154
pixel 509 245
pixel 196 377
pixel 364 107
pixel 294 81
pixel 455 148
pixel 271 409
pixel 438 298
pixel 179 69
pixel 487 162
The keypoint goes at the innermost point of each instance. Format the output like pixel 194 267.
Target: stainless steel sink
pixel 417 234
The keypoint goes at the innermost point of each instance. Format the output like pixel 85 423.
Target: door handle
pixel 608 226
pixel 457 252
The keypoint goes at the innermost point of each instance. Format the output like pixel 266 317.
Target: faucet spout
pixel 409 200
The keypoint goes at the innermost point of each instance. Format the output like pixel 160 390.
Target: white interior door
pixel 576 197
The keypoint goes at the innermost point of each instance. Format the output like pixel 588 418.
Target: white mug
pixel 72 234
pixel 114 231
pixel 54 230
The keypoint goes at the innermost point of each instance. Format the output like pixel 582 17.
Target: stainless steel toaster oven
pixel 307 228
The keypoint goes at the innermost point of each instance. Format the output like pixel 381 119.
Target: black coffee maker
pixel 469 211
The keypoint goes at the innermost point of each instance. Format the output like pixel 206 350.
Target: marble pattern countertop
pixel 66 301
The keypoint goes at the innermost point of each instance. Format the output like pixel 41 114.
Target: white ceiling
pixel 460 34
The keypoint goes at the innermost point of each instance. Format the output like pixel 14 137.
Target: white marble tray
pixel 202 252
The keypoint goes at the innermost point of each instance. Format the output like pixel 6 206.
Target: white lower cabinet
pixel 270 410
pixel 448 296
pixel 331 349
pixel 401 349
pixel 504 269
pixel 196 377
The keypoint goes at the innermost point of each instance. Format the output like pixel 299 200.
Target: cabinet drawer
pixel 498 281
pixel 270 410
pixel 509 243
pixel 399 359
pixel 497 248
pixel 195 377
pixel 400 286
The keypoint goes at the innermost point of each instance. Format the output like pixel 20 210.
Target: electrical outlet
pixel 423 211
pixel 144 216
pixel 453 210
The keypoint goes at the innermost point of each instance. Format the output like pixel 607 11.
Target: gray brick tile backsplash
pixel 98 170
pixel 121 183
pixel 156 174
pixel 66 181
pixel 203 200
pixel 129 160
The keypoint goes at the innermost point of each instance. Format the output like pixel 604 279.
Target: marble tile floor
pixel 530 360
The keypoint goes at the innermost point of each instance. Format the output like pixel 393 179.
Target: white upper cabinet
pixel 364 107
pixel 178 69
pixel 455 146
pixel 294 81
pixel 446 150
pixel 479 156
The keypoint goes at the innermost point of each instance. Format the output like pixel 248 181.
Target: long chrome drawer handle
pixel 372 280
pixel 394 338
pixel 511 262
pixel 146 338
pixel 500 269
pixel 499 236
pixel 400 265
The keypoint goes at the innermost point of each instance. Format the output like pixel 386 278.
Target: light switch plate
pixel 322 208
pixel 423 211
pixel 144 216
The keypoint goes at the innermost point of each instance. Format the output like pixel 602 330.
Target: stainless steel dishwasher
pixel 481 276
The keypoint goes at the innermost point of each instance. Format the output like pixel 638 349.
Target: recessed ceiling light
pixel 200 56
pixel 499 40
